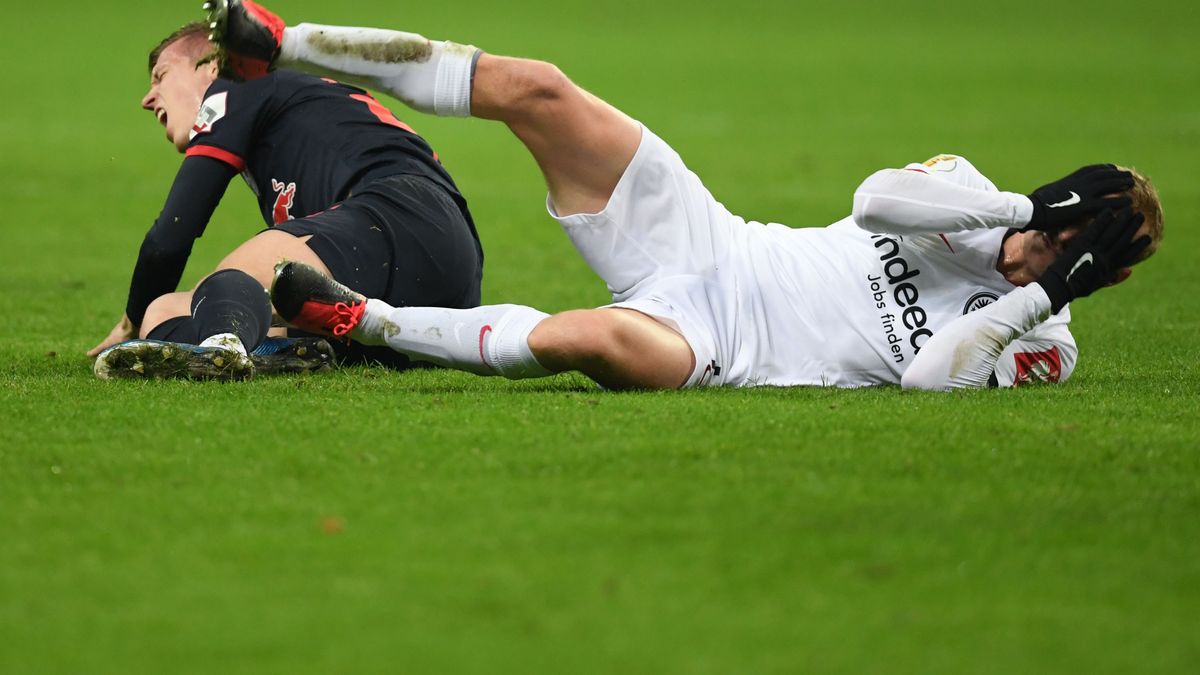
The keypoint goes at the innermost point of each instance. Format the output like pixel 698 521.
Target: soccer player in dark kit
pixel 343 185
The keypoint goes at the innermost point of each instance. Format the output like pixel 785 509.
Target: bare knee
pixel 165 307
pixel 544 82
pixel 620 349
pixel 574 339
pixel 517 87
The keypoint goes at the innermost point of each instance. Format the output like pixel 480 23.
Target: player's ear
pixel 1122 274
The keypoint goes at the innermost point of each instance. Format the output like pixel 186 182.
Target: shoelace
pixel 347 321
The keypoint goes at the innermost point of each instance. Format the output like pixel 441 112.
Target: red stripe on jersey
pixel 381 112
pixel 229 158
pixel 917 170
pixel 947 242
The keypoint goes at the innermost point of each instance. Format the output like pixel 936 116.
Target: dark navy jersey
pixel 304 143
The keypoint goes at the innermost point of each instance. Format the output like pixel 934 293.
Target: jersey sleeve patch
pixel 1037 367
pixel 947 162
pixel 211 112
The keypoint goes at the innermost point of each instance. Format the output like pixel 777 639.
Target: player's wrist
pixel 1056 289
pixel 1037 214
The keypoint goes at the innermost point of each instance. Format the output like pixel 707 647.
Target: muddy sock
pixel 489 340
pixel 231 301
pixel 433 77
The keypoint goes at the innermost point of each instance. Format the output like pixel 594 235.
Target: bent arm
pixel 198 188
pixel 965 353
pixel 908 201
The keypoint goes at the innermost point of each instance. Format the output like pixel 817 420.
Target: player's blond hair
pixel 196 33
pixel 1145 202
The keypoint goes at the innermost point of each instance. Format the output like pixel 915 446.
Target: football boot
pixel 249 37
pixel 158 360
pixel 293 355
pixel 312 302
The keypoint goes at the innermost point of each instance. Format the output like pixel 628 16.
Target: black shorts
pixel 402 239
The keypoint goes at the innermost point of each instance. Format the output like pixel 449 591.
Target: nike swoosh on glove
pixel 1069 200
pixel 1094 257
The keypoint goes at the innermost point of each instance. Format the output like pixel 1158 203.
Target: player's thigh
pixel 619 348
pixel 165 307
pixel 258 256
pixel 581 143
pixel 661 223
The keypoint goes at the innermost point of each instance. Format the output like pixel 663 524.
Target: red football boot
pixel 311 301
pixel 248 34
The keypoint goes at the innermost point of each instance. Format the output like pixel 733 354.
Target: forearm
pixel 964 353
pixel 901 201
pixel 166 247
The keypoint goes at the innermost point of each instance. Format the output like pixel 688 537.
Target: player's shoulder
pixel 284 78
pixel 955 169
pixel 278 84
pixel 245 95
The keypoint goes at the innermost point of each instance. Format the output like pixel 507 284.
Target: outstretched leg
pixel 581 143
pixel 618 348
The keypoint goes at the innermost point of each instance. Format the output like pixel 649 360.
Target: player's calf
pixel 490 340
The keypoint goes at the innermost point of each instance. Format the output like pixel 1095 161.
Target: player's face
pixel 177 89
pixel 1041 249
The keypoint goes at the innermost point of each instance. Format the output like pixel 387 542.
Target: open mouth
pixel 162 116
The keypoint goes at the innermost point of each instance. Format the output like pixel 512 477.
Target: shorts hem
pixel 702 374
pixel 618 193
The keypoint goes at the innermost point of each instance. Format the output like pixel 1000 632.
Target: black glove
pixel 1069 200
pixel 1093 257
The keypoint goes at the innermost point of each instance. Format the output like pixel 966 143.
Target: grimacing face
pixel 177 89
pixel 1041 249
pixel 1038 250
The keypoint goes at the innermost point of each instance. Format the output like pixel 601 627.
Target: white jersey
pixel 852 304
pixel 845 306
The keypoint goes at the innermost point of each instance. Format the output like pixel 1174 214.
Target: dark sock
pixel 231 301
pixel 176 329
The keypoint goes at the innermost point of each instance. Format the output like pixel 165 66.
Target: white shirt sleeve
pixel 1048 353
pixel 999 339
pixel 946 194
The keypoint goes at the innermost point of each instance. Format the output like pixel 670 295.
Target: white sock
pixel 489 340
pixel 226 341
pixel 433 77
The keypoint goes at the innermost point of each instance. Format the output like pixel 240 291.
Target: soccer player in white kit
pixel 937 280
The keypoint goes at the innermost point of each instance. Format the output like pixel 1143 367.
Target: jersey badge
pixel 211 111
pixel 945 163
pixel 979 301
pixel 1038 367
pixel 285 196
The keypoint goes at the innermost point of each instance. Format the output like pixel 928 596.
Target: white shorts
pixel 663 246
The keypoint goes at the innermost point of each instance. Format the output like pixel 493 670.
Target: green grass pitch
pixel 432 522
